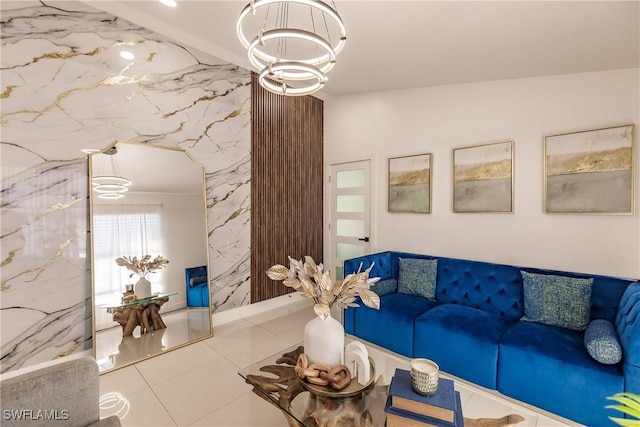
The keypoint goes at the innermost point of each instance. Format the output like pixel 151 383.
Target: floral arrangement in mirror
pixel 311 279
pixel 142 266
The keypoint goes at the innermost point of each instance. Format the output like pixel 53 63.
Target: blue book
pixel 441 405
pixel 401 418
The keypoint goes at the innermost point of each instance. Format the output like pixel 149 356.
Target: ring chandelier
pixel 293 58
pixel 113 186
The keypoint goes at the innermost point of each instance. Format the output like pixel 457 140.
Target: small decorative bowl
pixel 425 374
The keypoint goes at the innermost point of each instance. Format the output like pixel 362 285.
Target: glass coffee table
pixel 274 379
pixel 144 312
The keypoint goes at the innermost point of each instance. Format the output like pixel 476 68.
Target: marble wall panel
pixel 66 88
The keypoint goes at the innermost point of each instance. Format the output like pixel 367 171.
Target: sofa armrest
pixel 628 328
pixel 63 394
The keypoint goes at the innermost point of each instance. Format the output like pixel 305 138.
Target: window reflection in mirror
pixel 147 200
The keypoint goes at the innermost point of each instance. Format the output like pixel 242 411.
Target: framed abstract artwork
pixel 589 172
pixel 410 184
pixel 483 178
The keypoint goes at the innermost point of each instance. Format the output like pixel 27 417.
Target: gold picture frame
pixel 483 178
pixel 410 183
pixel 590 172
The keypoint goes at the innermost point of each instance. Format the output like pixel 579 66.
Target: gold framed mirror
pixel 148 212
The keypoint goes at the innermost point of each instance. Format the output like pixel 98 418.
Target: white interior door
pixel 351 212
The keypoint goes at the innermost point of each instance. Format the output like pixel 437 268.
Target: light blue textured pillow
pixel 557 300
pixel 601 342
pixel 418 277
pixel 385 287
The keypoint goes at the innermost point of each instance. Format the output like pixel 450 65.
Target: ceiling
pixel 403 44
pixel 173 171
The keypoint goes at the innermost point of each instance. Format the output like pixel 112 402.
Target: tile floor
pixel 199 385
pixel 113 350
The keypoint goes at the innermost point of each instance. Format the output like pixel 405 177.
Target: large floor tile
pixel 192 395
pixel 246 411
pixel 294 335
pixel 257 352
pixel 144 410
pixel 125 381
pixel 176 362
pixel 239 340
pixel 282 324
pixel 544 421
pixel 482 406
pixel 230 328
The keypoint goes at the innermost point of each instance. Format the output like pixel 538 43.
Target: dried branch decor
pixel 142 266
pixel 311 279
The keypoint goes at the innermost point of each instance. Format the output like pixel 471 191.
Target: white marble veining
pixel 66 88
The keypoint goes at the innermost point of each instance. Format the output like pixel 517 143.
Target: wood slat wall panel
pixel 286 184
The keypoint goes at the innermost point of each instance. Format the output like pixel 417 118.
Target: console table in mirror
pixel 147 200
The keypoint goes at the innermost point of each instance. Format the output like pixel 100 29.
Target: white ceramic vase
pixel 324 341
pixel 142 288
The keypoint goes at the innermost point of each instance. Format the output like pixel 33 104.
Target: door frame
pixel 330 239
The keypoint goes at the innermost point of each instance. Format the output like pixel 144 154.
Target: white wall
pixel 185 239
pixel 437 119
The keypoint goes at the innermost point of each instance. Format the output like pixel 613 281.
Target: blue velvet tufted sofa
pixel 473 331
pixel 197 286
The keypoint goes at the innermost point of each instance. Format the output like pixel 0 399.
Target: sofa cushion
pixel 392 326
pixel 385 287
pixel 462 340
pixel 545 365
pixel 557 300
pixel 418 277
pixel 601 342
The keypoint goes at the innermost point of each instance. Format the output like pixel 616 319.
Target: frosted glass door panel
pixel 350 203
pixel 346 251
pixel 350 228
pixel 350 213
pixel 350 178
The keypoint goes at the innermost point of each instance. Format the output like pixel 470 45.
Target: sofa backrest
pixel 382 267
pixel 495 288
pixel 606 291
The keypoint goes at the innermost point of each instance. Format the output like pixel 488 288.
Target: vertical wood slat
pixel 286 184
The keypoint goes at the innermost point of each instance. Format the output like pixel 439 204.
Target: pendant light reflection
pixel 170 3
pixel 294 44
pixel 109 184
pixel 125 54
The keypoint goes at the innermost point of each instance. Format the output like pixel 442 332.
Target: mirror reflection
pixel 149 252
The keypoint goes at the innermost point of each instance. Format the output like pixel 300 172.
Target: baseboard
pixel 238 313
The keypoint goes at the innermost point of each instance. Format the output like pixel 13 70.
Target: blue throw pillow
pixel 418 277
pixel 601 342
pixel 195 281
pixel 557 300
pixel 385 287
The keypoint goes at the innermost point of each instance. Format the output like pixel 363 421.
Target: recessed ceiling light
pixel 127 55
pixel 170 3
